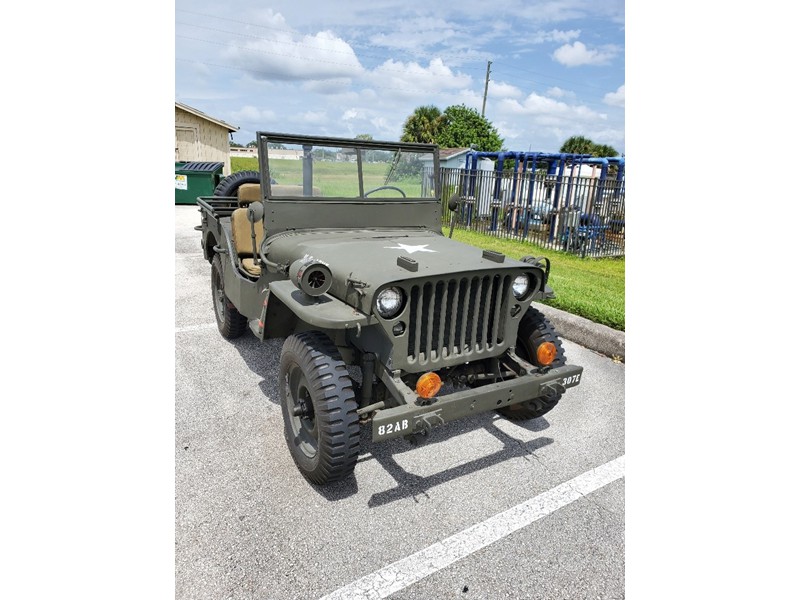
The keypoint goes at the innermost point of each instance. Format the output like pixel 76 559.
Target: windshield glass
pixel 321 171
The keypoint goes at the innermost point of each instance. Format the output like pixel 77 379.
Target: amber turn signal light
pixel 546 353
pixel 428 385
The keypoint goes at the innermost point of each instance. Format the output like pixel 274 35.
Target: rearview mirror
pixel 255 212
pixel 453 203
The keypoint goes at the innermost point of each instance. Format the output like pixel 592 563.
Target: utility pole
pixel 486 85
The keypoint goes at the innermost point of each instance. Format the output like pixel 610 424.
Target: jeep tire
pixel 230 322
pixel 534 329
pixel 229 185
pixel 319 408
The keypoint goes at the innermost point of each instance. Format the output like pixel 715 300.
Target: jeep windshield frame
pixel 311 182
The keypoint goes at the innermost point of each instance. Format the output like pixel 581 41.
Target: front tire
pixel 319 408
pixel 230 322
pixel 534 329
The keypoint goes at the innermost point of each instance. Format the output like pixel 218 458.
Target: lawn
pixel 590 287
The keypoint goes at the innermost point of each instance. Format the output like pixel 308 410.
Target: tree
pixel 235 144
pixel 604 150
pixel 577 144
pixel 465 127
pixel 423 125
pixel 364 136
pixel 252 144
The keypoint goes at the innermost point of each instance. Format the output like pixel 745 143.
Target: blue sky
pixel 345 68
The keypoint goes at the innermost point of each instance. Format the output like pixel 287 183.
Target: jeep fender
pixel 321 312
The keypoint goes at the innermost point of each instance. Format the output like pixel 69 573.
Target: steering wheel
pixel 385 187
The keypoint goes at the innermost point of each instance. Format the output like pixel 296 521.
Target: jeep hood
pixel 371 257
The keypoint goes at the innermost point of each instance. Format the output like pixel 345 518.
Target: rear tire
pixel 230 184
pixel 534 329
pixel 319 408
pixel 230 322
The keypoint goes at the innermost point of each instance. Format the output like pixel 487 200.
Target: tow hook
pixel 423 427
pixel 553 389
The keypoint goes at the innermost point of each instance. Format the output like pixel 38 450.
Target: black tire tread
pixel 230 184
pixel 334 405
pixel 234 324
pixel 534 328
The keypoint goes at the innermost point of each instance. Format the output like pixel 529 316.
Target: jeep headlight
pixel 389 302
pixel 521 285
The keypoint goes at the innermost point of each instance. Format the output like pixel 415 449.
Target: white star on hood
pixel 410 249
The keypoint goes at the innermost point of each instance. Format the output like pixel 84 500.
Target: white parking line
pixel 436 557
pixel 195 327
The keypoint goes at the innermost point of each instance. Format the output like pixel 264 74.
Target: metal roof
pixel 202 115
pixel 445 153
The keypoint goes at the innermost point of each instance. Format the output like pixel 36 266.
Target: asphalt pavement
pixel 248 525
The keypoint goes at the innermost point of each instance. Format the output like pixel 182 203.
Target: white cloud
pixel 557 92
pixel 416 33
pixel 251 114
pixel 411 79
pixel 283 55
pixel 616 98
pixel 384 129
pixel 573 55
pixel 311 117
pixel 549 111
pixel 299 77
pixel 507 131
pixel 328 86
pixel 500 89
pixel 554 35
pixel 269 18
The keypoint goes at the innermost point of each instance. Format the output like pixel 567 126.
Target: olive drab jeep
pixel 337 246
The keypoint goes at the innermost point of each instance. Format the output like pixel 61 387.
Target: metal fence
pixel 581 215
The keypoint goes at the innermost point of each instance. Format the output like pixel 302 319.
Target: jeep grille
pixel 461 317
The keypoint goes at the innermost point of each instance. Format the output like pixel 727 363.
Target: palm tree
pixel 423 125
pixel 604 150
pixel 577 144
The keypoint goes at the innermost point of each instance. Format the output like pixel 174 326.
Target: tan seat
pixel 240 225
pixel 240 229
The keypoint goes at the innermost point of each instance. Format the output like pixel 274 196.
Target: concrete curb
pixel 588 334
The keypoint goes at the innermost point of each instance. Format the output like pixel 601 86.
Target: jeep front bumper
pixel 412 418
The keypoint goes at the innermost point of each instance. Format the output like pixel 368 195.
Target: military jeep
pixel 337 246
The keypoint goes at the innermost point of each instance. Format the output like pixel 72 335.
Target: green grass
pixel 593 288
pixel 242 163
pixel 333 178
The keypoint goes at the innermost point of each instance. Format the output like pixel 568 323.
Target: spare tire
pixel 229 185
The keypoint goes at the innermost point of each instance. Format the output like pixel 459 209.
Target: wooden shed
pixel 199 137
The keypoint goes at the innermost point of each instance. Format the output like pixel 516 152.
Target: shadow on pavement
pixel 410 485
pixel 263 358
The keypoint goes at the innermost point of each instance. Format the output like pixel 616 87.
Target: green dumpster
pixel 193 179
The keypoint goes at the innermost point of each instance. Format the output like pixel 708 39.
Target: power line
pixel 298 57
pixel 352 53
pixel 571 83
pixel 295 56
pixel 331 79
pixel 327 50
pixel 281 77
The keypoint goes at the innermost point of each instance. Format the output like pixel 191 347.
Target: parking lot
pixel 486 509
